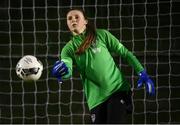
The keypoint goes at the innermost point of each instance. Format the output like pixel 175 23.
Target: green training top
pixel 99 73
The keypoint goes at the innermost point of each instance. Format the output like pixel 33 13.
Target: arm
pixel 114 45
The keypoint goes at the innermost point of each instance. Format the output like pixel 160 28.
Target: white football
pixel 29 68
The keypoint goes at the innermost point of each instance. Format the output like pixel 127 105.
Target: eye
pixel 70 18
pixel 76 17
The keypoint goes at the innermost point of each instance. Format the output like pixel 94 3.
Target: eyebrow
pixel 73 15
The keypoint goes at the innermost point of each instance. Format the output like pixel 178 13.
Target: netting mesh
pixel 148 28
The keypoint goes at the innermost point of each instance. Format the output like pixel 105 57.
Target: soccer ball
pixel 29 68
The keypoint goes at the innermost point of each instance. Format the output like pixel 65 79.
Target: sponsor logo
pixel 96 50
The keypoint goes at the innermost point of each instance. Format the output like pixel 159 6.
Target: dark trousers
pixel 114 110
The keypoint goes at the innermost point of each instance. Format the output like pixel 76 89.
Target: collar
pixel 81 35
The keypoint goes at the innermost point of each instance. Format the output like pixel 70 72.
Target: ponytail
pixel 89 39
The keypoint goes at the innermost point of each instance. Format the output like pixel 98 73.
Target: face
pixel 76 21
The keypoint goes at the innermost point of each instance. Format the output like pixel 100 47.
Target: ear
pixel 86 21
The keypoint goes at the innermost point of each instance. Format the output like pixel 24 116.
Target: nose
pixel 73 19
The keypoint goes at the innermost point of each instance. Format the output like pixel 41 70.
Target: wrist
pixel 143 72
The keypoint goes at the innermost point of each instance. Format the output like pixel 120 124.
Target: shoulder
pixel 102 31
pixel 103 34
pixel 68 45
pixel 68 48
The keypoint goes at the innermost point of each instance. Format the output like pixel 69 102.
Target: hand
pixel 144 78
pixel 59 69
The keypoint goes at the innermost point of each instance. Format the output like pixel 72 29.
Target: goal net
pixel 148 28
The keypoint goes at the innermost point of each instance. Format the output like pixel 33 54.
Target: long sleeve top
pixel 101 77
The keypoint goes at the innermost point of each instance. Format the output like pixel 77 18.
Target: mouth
pixel 74 24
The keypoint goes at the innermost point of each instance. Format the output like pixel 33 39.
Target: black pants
pixel 114 110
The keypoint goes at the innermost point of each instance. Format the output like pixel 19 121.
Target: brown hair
pixel 90 34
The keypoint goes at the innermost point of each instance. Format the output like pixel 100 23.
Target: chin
pixel 76 31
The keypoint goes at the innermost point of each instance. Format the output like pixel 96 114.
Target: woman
pixel 107 91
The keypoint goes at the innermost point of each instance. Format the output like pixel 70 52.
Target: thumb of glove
pixel 140 83
pixel 59 79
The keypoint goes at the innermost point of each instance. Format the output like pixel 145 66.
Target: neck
pixel 77 32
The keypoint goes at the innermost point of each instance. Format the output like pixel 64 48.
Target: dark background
pixel 148 28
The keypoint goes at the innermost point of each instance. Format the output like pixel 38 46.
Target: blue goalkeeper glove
pixel 59 69
pixel 144 78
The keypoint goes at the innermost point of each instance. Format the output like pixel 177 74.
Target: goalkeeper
pixel 108 94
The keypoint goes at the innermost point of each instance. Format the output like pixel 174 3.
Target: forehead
pixel 74 12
